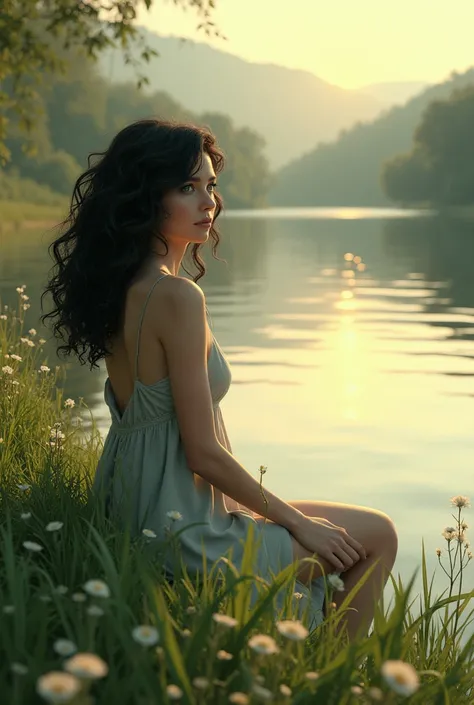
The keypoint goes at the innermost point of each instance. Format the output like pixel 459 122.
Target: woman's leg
pixel 376 532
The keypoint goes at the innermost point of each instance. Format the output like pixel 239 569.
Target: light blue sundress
pixel 143 475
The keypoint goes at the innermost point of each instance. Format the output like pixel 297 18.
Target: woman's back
pixel 145 299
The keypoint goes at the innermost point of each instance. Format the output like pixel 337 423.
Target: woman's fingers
pixel 356 546
pixel 345 558
pixel 351 552
pixel 334 561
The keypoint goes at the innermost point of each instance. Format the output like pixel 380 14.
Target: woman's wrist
pixel 296 520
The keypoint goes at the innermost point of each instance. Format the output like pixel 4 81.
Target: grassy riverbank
pixel 73 583
pixel 24 202
pixel 21 214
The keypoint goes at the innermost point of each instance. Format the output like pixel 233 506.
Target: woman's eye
pixel 214 185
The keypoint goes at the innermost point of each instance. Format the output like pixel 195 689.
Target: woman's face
pixel 190 203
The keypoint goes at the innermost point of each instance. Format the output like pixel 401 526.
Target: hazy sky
pixel 350 43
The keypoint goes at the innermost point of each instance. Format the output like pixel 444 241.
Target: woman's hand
pixel 329 542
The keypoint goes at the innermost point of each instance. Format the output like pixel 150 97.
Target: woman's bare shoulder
pixel 172 299
pixel 168 286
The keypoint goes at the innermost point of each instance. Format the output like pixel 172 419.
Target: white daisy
pixel 64 647
pixel 174 692
pixel 460 501
pixel 95 611
pixel 175 516
pixel 200 682
pixel 54 526
pixel 32 546
pixel 448 533
pixel 239 698
pixel 223 655
pixel 57 687
pixel 262 692
pixel 78 597
pixel 149 533
pixel 145 635
pixel 97 588
pixel 263 644
pixel 292 629
pixel 224 620
pixel 401 677
pixel 19 668
pixel 86 666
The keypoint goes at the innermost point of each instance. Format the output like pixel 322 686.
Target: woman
pixel 119 296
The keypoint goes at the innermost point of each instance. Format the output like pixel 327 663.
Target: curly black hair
pixel 115 214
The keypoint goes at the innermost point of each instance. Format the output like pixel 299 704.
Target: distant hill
pixel 395 93
pixel 346 172
pixel 293 110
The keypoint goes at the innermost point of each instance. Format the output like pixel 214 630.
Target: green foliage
pixel 59 172
pixel 406 178
pixel 199 644
pixel 440 168
pixel 81 113
pixel 33 35
pixel 15 189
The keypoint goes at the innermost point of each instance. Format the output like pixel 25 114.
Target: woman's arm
pixel 183 336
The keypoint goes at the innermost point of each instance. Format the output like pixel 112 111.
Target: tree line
pixel 362 167
pixel 439 169
pixel 80 112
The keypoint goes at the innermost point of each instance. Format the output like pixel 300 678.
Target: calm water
pixel 353 386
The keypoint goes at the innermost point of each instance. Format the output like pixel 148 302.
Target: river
pixel 353 379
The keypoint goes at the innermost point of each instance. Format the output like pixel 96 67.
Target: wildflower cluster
pixel 458 546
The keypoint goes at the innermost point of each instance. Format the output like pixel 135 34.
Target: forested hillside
pixel 348 172
pixel 439 169
pixel 81 112
pixel 293 109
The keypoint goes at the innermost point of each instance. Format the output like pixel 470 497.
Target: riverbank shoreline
pixel 16 215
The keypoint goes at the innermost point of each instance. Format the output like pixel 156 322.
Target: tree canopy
pixel 439 169
pixel 33 32
pixel 347 172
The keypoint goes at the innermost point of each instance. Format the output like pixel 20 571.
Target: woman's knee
pixel 384 533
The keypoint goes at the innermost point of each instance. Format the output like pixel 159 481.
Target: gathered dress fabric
pixel 142 475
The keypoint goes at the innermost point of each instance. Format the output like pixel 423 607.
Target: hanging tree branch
pixel 29 35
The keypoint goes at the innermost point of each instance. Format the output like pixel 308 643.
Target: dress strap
pixel 137 349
